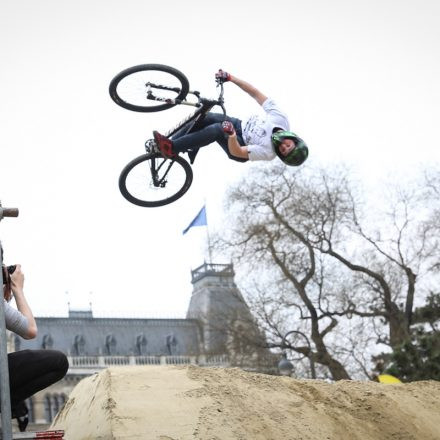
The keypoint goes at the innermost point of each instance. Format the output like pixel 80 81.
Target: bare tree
pixel 394 248
pixel 274 229
pixel 330 254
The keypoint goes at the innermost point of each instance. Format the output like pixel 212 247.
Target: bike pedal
pixel 151 147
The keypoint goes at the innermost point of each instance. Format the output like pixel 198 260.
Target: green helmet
pixel 298 155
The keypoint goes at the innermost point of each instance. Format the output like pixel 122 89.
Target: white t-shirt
pixel 15 321
pixel 257 131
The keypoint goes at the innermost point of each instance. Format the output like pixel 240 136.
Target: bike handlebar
pixel 220 96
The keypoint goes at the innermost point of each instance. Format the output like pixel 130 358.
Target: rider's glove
pixel 223 76
pixel 228 128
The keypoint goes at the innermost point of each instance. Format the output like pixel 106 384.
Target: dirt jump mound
pixel 180 403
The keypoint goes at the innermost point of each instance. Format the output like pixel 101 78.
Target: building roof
pixel 215 301
pixel 81 334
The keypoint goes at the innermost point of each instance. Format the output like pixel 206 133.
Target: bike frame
pixel 203 106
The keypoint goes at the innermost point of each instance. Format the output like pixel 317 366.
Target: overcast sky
pixel 359 80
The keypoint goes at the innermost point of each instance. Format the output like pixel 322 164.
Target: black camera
pixel 11 269
pixel 7 272
pixel 7 288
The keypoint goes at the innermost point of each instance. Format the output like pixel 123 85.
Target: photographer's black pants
pixel 31 371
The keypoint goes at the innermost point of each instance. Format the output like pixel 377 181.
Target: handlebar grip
pixel 9 212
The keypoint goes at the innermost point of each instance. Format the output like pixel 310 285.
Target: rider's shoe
pixel 164 144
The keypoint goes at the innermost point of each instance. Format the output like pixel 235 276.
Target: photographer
pixel 29 370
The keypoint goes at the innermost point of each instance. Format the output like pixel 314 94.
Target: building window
pixel 171 343
pixel 78 345
pixel 55 405
pixel 30 406
pixel 61 400
pixel 110 345
pixel 141 345
pixel 239 346
pixel 47 342
pixel 52 405
pixel 48 408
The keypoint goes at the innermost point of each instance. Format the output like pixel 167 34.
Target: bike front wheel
pixel 148 87
pixel 151 180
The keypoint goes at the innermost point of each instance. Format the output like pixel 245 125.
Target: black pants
pixel 31 371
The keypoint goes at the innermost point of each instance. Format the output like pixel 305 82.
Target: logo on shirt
pixel 254 130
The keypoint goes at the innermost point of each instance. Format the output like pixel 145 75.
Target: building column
pixel 39 410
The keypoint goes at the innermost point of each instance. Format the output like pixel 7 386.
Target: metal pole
pixel 207 233
pixel 5 397
pixel 4 373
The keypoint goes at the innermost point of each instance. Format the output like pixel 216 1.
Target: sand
pixel 179 403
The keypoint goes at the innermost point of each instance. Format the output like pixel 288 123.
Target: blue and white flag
pixel 199 220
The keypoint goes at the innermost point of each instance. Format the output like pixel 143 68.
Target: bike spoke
pixel 135 88
pixel 155 179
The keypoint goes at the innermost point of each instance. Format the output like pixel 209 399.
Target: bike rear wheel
pixel 173 179
pixel 130 88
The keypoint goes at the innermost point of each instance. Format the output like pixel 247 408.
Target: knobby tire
pixel 178 161
pixel 180 93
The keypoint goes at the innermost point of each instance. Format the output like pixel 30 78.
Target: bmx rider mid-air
pixel 257 138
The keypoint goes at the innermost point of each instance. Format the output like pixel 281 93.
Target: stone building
pixel 218 331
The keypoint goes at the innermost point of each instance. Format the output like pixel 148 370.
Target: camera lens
pixel 11 269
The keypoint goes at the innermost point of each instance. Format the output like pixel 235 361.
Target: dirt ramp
pixel 179 403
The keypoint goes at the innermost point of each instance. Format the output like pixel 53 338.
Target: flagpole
pixel 209 245
pixel 207 233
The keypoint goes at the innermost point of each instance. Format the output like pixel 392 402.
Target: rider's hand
pixel 228 128
pixel 223 76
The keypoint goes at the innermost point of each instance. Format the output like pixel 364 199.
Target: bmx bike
pixel 152 180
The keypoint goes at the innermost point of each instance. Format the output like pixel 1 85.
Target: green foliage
pixel 417 359
pixel 430 312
